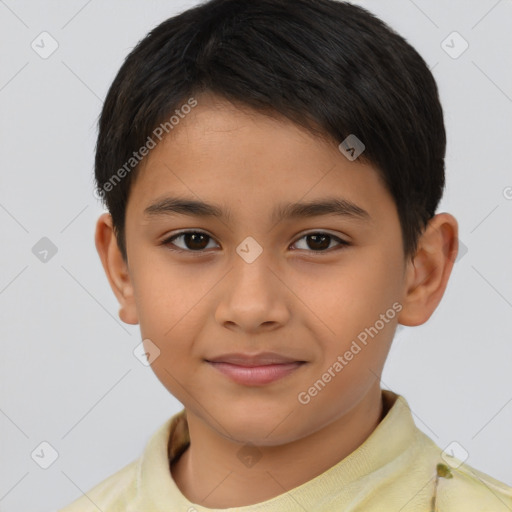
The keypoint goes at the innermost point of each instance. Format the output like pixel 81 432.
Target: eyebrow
pixel 326 206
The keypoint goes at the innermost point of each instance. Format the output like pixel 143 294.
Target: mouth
pixel 255 370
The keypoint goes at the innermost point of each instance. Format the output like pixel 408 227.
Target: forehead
pixel 244 161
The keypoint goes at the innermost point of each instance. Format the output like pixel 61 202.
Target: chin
pixel 267 429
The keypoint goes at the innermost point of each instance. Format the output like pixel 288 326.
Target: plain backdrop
pixel 69 377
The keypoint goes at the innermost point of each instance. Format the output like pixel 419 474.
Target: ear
pixel 428 271
pixel 115 268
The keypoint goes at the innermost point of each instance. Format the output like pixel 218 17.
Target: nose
pixel 253 297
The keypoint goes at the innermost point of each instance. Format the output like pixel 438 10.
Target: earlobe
pixel 115 268
pixel 428 272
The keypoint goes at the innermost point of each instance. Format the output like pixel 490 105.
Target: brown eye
pixel 192 241
pixel 320 242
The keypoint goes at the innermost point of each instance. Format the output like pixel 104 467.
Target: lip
pixel 260 359
pixel 256 375
pixel 256 369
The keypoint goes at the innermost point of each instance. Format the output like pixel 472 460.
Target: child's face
pixel 304 298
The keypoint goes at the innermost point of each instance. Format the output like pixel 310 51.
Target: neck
pixel 210 473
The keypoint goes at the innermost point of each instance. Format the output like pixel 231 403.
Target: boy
pixel 272 171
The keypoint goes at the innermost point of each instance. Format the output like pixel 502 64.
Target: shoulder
pixel 462 487
pixel 115 493
pixel 127 489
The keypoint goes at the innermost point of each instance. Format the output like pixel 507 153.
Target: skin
pixel 294 299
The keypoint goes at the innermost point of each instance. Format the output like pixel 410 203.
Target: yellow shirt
pixel 397 469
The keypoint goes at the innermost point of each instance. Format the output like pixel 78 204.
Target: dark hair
pixel 329 66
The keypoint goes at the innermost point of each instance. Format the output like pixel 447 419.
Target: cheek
pixel 172 303
pixel 171 316
pixel 351 295
pixel 358 308
pixel 167 293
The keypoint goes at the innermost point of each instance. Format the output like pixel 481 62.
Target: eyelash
pixel 169 241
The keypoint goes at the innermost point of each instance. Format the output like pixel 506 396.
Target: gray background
pixel 69 376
